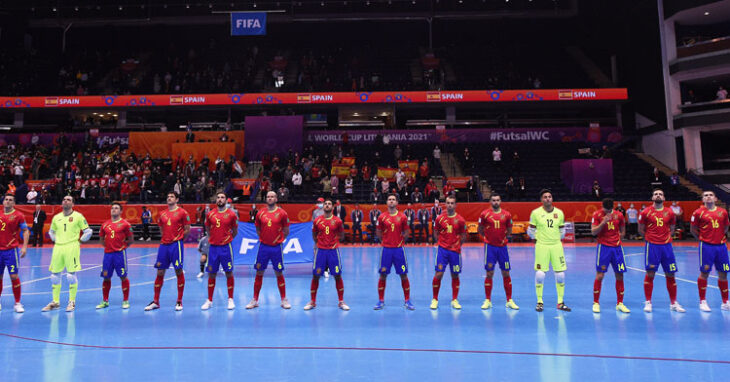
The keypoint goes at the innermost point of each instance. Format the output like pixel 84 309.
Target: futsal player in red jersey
pixel 12 224
pixel 710 225
pixel 116 235
pixel 327 231
pixel 222 225
pixel 175 225
pixel 450 232
pixel 495 225
pixel 656 224
pixel 609 226
pixel 272 226
pixel 392 230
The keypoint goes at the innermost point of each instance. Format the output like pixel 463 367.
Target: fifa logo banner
pixel 248 24
pixel 297 248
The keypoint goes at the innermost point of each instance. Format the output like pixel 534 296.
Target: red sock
pixel 596 290
pixel 488 288
pixel 125 289
pixel 257 286
pixel 158 287
pixel 230 281
pixel 211 288
pixel 106 285
pixel 507 281
pixel 455 288
pixel 1 285
pixel 648 287
pixel 313 289
pixel 619 291
pixel 282 286
pixel 722 284
pixel 16 289
pixel 381 289
pixel 340 289
pixel 702 286
pixel 406 288
pixel 436 287
pixel 672 289
pixel 180 286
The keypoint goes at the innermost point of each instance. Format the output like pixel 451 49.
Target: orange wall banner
pixel 199 150
pixel 159 144
pixel 574 211
pixel 459 182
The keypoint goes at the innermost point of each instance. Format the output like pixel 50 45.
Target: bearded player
pixel 495 225
pixel 116 235
pixel 222 226
pixel 710 225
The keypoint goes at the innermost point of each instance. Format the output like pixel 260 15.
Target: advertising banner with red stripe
pixel 329 98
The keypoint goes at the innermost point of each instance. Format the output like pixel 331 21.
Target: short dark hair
pixel 495 194
pixel 177 196
pixel 545 191
pixel 118 204
pixel 9 194
pixel 393 195
pixel 656 189
pixel 607 203
pixel 221 193
pixel 713 192
pixel 328 200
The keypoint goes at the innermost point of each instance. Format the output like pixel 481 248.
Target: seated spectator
pixel 596 191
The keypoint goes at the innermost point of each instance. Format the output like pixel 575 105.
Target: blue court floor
pixel 270 343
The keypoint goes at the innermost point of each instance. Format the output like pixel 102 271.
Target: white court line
pixel 694 282
pixel 85 269
pixel 97 289
pixel 678 278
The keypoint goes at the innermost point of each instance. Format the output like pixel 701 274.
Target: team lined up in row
pixel 68 228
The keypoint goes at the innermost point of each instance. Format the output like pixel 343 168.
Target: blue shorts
pixel 445 257
pixel 327 258
pixel 614 256
pixel 114 261
pixel 712 254
pixel 393 257
pixel 269 253
pixel 170 254
pixel 9 258
pixel 655 254
pixel 220 256
pixel 494 254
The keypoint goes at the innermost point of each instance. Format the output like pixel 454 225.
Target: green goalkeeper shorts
pixel 546 254
pixel 66 256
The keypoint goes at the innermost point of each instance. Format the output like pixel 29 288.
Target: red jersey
pixel 327 231
pixel 450 229
pixel 393 227
pixel 610 234
pixel 495 225
pixel 271 225
pixel 172 224
pixel 712 224
pixel 115 235
pixel 658 224
pixel 223 226
pixel 10 226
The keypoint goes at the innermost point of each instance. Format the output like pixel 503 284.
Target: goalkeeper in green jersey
pixel 68 229
pixel 547 227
